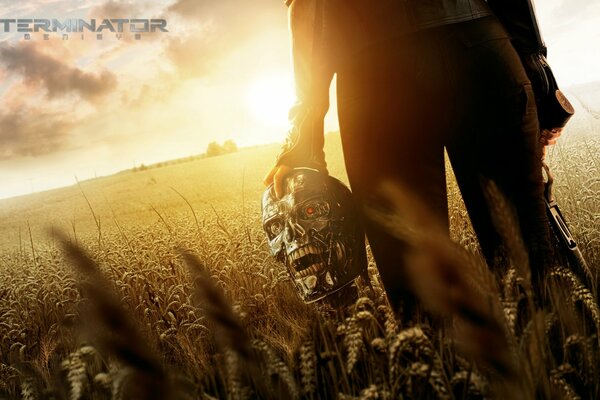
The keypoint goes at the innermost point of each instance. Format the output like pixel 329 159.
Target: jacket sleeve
pixel 312 74
pixel 518 17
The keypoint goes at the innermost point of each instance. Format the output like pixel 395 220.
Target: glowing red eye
pixel 310 210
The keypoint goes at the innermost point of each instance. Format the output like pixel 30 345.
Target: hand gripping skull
pixel 313 229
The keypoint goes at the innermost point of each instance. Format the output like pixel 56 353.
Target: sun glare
pixel 270 97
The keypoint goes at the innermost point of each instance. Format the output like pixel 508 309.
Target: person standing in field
pixel 415 77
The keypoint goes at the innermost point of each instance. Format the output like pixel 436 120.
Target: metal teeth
pixel 312 250
pixel 313 269
pixel 303 251
pixel 296 255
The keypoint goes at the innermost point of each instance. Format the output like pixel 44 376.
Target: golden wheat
pixel 150 296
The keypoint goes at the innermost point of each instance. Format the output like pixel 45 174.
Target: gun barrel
pixel 568 244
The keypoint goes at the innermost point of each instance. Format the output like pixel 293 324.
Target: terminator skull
pixel 313 230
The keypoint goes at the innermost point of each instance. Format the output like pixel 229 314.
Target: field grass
pixel 158 284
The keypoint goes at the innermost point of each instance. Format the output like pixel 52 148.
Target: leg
pixel 499 141
pixel 389 134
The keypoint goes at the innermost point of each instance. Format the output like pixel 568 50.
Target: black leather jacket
pixel 325 33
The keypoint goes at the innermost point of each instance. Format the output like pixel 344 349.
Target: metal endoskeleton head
pixel 313 229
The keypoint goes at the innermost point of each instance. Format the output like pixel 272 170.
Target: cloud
pixel 32 133
pixel 41 111
pixel 245 13
pixel 59 79
pixel 157 91
pixel 193 9
pixel 209 33
pixel 114 9
pixel 215 29
pixel 197 54
pixel 128 10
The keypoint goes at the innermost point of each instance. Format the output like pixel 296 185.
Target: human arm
pixel 313 73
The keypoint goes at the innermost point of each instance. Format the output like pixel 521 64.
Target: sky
pixel 83 108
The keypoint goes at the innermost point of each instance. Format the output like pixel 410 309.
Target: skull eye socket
pixel 274 227
pixel 315 209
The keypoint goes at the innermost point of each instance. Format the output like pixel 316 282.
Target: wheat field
pixel 158 284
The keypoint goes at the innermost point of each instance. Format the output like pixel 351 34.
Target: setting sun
pixel 270 97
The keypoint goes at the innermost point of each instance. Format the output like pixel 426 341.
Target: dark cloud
pixel 32 133
pixel 58 78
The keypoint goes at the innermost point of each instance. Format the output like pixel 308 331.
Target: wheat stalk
pixel 578 292
pixel 558 381
pixel 276 367
pixel 308 365
pixel 436 268
pixel 114 331
pixel 76 368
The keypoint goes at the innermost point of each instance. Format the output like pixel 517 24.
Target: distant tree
pixel 229 146
pixel 214 149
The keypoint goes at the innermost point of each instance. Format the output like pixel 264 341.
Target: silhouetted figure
pixel 415 77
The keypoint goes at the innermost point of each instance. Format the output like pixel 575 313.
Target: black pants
pixel 461 87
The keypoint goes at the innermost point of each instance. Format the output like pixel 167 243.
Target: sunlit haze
pixel 85 108
pixel 270 98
